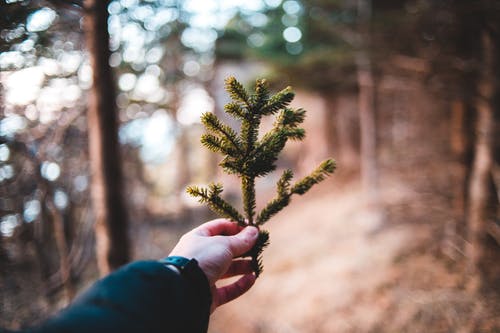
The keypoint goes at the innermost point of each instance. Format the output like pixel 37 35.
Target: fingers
pixel 238 267
pixel 230 292
pixel 243 241
pixel 216 227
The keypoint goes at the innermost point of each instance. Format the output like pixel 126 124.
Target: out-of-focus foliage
pixel 44 176
pixel 309 43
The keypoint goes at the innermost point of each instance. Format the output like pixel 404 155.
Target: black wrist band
pixel 180 263
pixel 190 271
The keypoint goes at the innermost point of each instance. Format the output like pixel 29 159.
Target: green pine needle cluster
pixel 248 157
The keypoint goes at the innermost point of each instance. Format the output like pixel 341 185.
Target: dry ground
pixel 337 265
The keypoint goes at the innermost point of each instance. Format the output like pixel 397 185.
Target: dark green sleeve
pixel 144 296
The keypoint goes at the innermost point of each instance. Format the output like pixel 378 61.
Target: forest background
pixel 99 136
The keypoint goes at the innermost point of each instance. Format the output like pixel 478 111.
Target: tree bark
pixel 366 104
pixel 183 176
pixel 3 255
pixel 111 221
pixel 461 146
pixel 482 165
pixel 62 249
pixel 332 137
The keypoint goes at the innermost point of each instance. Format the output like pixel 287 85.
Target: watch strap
pixel 190 270
pixel 181 263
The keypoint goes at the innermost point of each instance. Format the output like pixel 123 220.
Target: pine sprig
pixel 235 110
pixel 249 132
pixel 217 145
pixel 226 134
pixel 291 117
pixel 315 177
pixel 211 196
pixel 278 102
pixel 237 91
pixel 256 252
pixel 261 96
pixel 248 191
pixel 249 158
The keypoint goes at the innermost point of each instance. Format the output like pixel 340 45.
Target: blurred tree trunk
pixel 111 225
pixel 348 136
pixel 172 64
pixel 366 103
pixel 479 186
pixel 3 255
pixel 338 132
pixel 461 146
pixel 62 249
pixel 183 174
pixel 332 136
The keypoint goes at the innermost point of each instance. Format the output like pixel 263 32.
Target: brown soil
pixel 338 265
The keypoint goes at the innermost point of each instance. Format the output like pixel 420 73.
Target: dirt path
pixel 328 256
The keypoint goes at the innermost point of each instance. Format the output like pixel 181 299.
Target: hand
pixel 214 245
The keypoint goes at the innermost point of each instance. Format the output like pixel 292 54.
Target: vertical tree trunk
pixel 111 225
pixel 461 147
pixel 2 114
pixel 338 131
pixel 330 120
pixel 366 104
pixel 483 160
pixel 62 249
pixel 183 174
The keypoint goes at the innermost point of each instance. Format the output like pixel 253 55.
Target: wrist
pixel 178 264
pixel 189 270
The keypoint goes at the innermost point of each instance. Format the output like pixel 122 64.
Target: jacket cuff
pixel 194 274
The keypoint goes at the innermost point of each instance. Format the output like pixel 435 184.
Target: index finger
pixel 216 227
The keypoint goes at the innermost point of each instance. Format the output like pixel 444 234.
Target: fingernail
pixel 252 231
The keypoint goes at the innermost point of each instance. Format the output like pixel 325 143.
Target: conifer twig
pixel 249 158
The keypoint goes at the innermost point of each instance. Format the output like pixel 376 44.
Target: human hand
pixel 215 245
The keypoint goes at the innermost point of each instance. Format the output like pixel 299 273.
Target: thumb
pixel 243 241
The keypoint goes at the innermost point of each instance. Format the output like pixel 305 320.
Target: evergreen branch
pixel 260 244
pixel 256 252
pixel 315 177
pixel 294 133
pixel 278 101
pixel 273 142
pixel 250 133
pixel 261 165
pixel 211 197
pixel 218 145
pixel 283 185
pixel 291 117
pixel 285 127
pixel 235 110
pixel 268 149
pixel 249 158
pixel 212 123
pixel 261 96
pixel 237 91
pixel 273 208
pixel 232 166
pixel 248 190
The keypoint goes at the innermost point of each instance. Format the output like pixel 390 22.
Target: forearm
pixel 140 297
